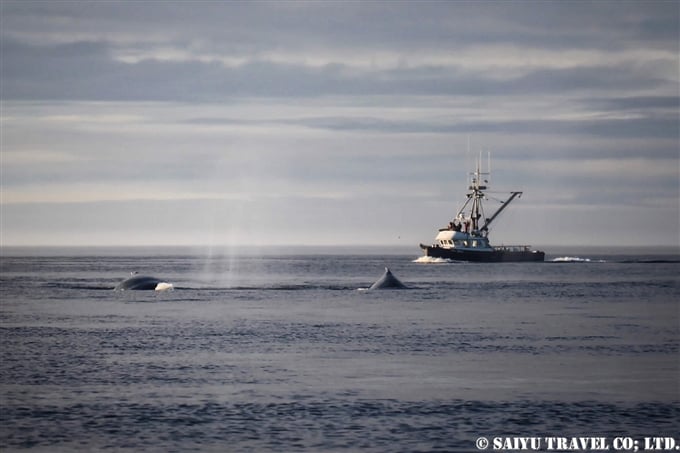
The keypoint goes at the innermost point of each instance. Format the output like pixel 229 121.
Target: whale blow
pixel 387 281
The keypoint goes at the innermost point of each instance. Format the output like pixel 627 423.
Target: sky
pixel 331 123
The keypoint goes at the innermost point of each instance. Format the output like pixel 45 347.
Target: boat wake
pixel 433 260
pixel 575 259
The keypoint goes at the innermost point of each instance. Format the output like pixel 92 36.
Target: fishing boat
pixel 466 236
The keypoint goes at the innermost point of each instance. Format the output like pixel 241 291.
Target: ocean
pixel 283 350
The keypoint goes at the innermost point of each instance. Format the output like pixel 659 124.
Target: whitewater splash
pixel 432 260
pixel 575 259
pixel 164 286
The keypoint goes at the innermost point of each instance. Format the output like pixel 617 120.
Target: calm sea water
pixel 282 352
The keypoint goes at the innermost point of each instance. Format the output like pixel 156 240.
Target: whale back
pixel 388 281
pixel 138 282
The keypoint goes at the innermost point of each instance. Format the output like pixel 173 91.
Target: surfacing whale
pixel 387 281
pixel 143 282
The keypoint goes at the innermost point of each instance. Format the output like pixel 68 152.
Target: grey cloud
pixel 643 127
pixel 373 25
pixel 85 71
pixel 620 77
pixel 65 50
pixel 607 24
pixel 637 103
pixel 658 127
pixel 70 71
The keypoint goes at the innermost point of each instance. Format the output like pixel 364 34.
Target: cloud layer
pixel 336 122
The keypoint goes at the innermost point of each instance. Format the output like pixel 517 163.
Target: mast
pixel 477 187
pixel 476 196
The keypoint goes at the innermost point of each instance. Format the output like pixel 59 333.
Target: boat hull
pixel 486 256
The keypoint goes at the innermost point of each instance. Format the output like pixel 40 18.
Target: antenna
pixel 488 167
pixel 467 157
pixel 479 165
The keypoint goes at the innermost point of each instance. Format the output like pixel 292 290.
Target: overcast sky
pixel 188 122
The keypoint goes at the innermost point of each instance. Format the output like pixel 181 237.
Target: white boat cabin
pixel 450 239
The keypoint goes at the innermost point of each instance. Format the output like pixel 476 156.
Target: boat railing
pixel 513 248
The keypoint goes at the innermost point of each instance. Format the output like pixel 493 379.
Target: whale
pixel 143 282
pixel 387 281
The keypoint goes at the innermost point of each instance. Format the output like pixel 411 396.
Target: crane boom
pixel 505 205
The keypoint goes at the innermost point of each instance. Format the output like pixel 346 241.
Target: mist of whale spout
pixel 142 282
pixel 387 281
